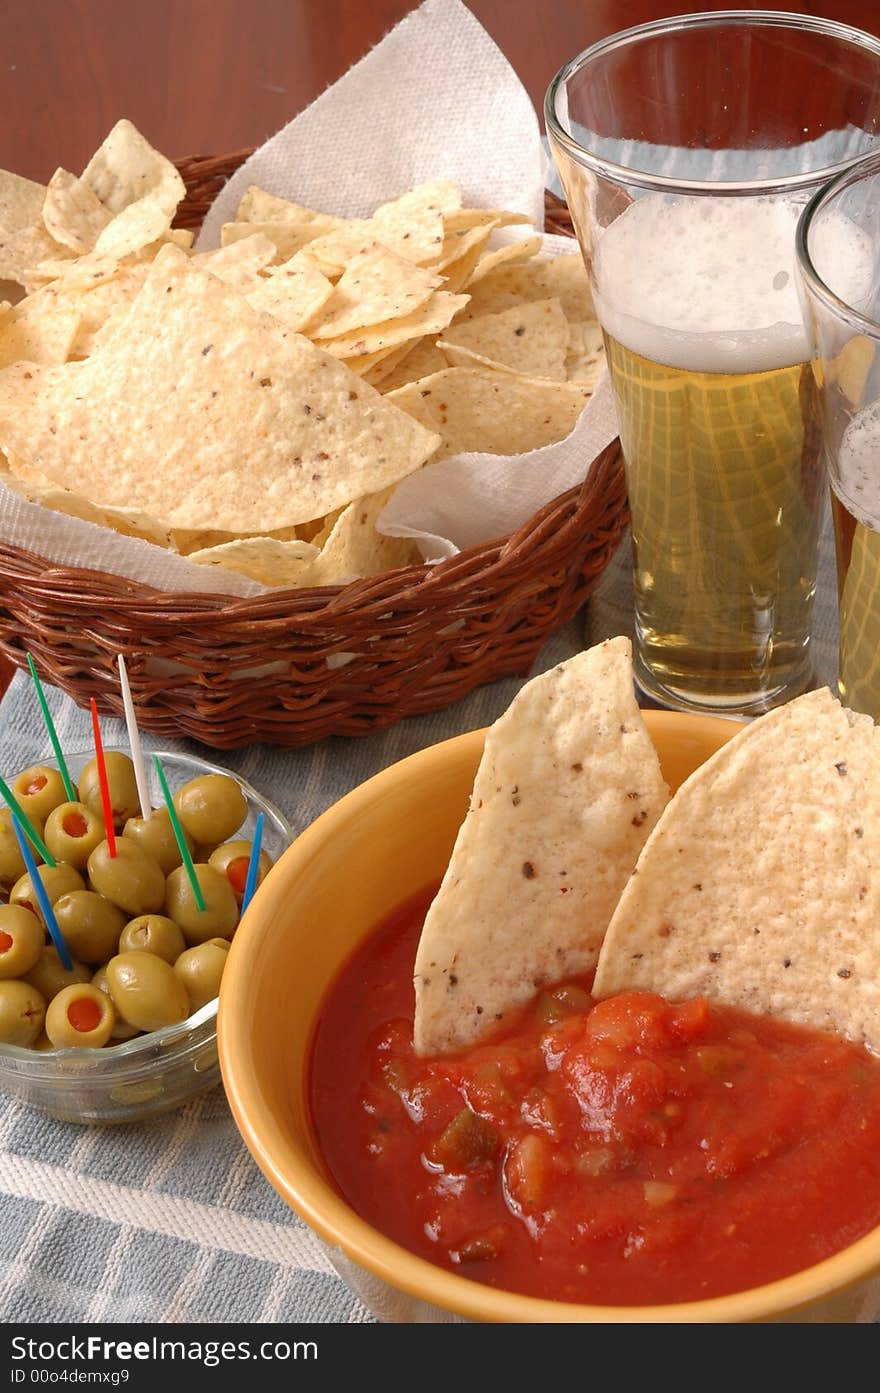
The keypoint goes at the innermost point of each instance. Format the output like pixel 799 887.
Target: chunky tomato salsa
pixel 627 1152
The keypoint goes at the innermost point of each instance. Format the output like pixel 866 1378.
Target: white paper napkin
pixel 435 99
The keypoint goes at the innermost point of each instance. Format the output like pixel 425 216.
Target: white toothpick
pixel 134 739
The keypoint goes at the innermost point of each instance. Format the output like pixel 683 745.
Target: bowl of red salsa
pixel 625 1160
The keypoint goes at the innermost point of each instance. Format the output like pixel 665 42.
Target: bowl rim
pixel 144 1046
pixel 317 1201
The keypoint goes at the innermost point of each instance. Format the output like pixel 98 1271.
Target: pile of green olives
pixel 144 954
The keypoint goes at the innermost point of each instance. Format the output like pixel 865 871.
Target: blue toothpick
pixel 250 884
pixel 42 897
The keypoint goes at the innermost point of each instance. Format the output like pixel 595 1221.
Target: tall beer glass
pixel 842 313
pixel 687 149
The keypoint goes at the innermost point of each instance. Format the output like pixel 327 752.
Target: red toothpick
pixel 102 779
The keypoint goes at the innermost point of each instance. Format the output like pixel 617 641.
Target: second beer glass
pixel 687 150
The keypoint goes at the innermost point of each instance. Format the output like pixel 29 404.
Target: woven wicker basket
pixel 293 666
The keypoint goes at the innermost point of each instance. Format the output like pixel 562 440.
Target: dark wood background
pixel 211 76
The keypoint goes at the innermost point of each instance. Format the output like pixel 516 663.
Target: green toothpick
pixel 26 823
pixel 53 735
pixel 180 838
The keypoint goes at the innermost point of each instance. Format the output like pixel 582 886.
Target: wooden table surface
pixel 210 76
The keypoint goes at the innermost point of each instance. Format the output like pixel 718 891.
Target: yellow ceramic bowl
pixel 382 843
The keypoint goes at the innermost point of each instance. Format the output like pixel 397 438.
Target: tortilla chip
pixel 364 364
pixel 239 263
pixel 137 226
pixel 263 559
pixel 187 540
pixel 286 239
pixel 81 272
pixel 205 413
pixel 104 307
pixel 512 251
pixel 568 788
pixel 530 339
pixel 71 212
pixel 376 286
pixel 126 168
pixel 21 202
pixel 411 226
pixel 429 318
pixel 381 372
pixel 460 219
pixel 422 359
pixel 353 548
pixel 38 330
pixel 459 244
pixel 561 277
pixel 24 240
pixel 495 413
pixel 293 293
pixel 258 206
pixel 760 885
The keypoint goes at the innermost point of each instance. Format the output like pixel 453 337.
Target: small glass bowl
pixel 152 1073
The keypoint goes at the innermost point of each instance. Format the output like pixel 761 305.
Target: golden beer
pixel 720 426
pixel 725 485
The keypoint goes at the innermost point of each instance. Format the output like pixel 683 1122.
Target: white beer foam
pixel 856 480
pixel 708 284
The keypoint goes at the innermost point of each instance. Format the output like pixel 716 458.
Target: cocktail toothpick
pixel 19 812
pixel 178 834
pixel 40 892
pixel 53 734
pixel 106 802
pixel 134 740
pixel 250 884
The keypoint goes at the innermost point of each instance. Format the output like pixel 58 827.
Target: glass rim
pixel 704 19
pixel 868 164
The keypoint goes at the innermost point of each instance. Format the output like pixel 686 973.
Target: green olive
pixel 130 879
pixel 200 969
pixel 145 991
pixel 217 919
pixel 57 881
pixel 42 1043
pixel 72 833
pixel 12 866
pixel 211 808
pixel 80 1016
pixel 155 836
pixel 233 859
pixel 39 790
pixel 152 933
pixel 90 925
pixel 121 1029
pixel 21 940
pixel 121 782
pixel 49 974
pixel 22 1012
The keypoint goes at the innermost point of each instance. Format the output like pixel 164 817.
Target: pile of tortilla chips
pixel 253 407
